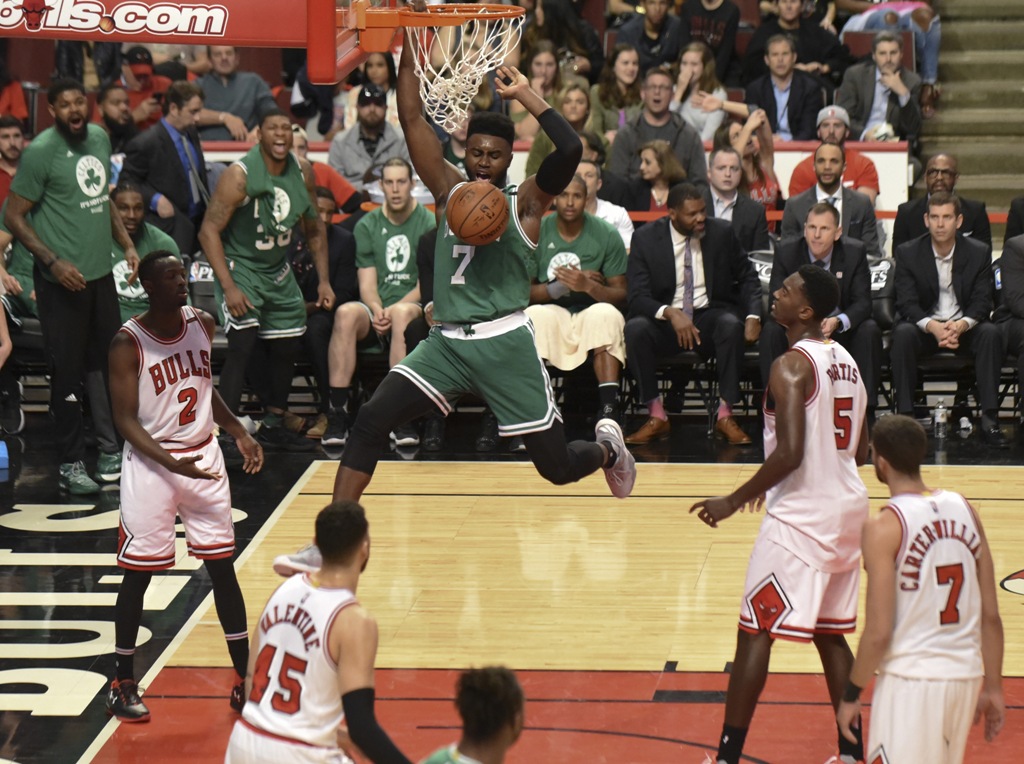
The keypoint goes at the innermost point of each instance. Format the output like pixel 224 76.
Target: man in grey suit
pixel 856 215
pixel 725 202
pixel 881 91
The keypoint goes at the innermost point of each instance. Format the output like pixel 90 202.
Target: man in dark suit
pixel 881 91
pixel 851 324
pixel 791 98
pixel 856 214
pixel 1009 316
pixel 167 162
pixel 940 174
pixel 944 298
pixel 1014 220
pixel 725 202
pixel 691 287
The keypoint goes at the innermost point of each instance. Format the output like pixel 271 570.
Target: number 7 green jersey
pixel 477 284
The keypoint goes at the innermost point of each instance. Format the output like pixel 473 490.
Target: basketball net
pixel 452 61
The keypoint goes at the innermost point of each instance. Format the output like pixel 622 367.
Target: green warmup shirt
pixel 598 248
pixel 448 755
pixel 260 230
pixel 68 183
pixel 476 284
pixel 132 298
pixel 391 249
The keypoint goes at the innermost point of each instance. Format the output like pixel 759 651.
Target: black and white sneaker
pixel 12 418
pixel 336 432
pixel 280 438
pixel 405 435
pixel 125 702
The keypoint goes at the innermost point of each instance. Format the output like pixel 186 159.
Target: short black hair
pixel 62 85
pixel 322 192
pixel 341 528
pixel 106 90
pixel 492 123
pixel 274 112
pixel 821 290
pixel 596 144
pixel 842 151
pixel 902 442
pixel 488 700
pixel 9 120
pixel 682 192
pixel 126 186
pixel 149 263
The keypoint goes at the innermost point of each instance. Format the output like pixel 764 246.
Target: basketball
pixel 477 212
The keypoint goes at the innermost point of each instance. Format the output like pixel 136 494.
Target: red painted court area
pixel 571 716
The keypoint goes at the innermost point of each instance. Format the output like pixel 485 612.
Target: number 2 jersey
pixel 818 510
pixel 477 284
pixel 295 681
pixel 937 631
pixel 175 384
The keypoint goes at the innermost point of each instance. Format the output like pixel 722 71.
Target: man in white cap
pixel 860 173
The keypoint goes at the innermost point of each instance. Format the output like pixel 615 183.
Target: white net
pixel 452 61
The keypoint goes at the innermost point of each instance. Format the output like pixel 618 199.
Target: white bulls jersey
pixel 175 384
pixel 295 681
pixel 937 633
pixel 821 506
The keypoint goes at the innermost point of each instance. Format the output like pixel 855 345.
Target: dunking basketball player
pixel 804 571
pixel 485 342
pixel 165 407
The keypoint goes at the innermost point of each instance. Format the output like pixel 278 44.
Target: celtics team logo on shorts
pixel 91 176
pixel 563 260
pixel 282 204
pixel 397 253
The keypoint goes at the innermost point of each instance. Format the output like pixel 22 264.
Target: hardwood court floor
pixel 619 615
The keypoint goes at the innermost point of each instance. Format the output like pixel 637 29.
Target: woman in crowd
pixel 659 171
pixel 753 141
pixel 575 107
pixel 696 78
pixel 615 99
pixel 546 81
pixel 578 45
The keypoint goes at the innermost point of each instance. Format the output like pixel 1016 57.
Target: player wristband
pixel 557 289
pixel 851 694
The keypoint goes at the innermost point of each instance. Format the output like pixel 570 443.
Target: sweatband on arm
pixel 364 730
pixel 561 164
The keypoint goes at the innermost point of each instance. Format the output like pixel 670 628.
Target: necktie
pixel 820 263
pixel 833 201
pixel 687 279
pixel 199 191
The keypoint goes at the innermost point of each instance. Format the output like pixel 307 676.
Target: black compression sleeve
pixel 364 730
pixel 561 164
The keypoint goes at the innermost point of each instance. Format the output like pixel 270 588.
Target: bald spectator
pixel 657 35
pixel 860 173
pixel 235 100
pixel 940 175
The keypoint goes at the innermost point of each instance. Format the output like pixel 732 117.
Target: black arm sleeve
pixel 561 164
pixel 364 730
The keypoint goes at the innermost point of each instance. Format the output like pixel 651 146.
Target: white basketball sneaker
pixel 622 474
pixel 306 560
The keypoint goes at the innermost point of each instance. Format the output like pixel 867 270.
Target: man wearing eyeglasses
pixel 940 175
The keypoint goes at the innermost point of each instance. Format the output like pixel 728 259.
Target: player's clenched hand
pixel 992 706
pixel 67 275
pixel 188 466
pixel 324 296
pixel 236 301
pixel 710 511
pixel 847 717
pixel 252 453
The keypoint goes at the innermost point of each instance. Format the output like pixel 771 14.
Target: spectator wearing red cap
pixel 860 173
pixel 145 89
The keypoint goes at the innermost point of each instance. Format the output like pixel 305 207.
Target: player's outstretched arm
pixel 227 197
pixel 991 703
pixel 880 542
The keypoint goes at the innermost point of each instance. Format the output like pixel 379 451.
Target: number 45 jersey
pixel 295 681
pixel 821 506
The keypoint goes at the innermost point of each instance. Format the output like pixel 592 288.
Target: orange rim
pixel 446 15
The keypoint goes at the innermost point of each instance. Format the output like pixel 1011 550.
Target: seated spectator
pixel 860 173
pixel 545 80
pixel 615 99
pixel 235 100
pixel 104 63
pixel 179 62
pixel 12 97
pixel 610 213
pixel 881 96
pixel 818 51
pixel 18 295
pixel 851 324
pixel 1009 316
pixel 578 43
pixel 656 35
pixel 821 12
pixel 917 17
pixel 1015 219
pixel 369 143
pixel 574 105
pixel 753 141
pixel 856 213
pixel 944 299
pixel 114 114
pixel 614 188
pixel 714 22
pixel 346 198
pixel 389 295
pixel 940 175
pixel 725 202
pixel 127 201
pixel 379 69
pixel 12 142
pixel 696 80
pixel 659 172
pixel 657 122
pixel 790 97
pixel 167 163
pixel 693 288
pixel 145 88
pixel 579 292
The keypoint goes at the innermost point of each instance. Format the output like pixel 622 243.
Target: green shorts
pixel 504 369
pixel 278 308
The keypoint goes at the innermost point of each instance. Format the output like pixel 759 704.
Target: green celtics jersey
pixel 68 183
pixel 476 284
pixel 132 298
pixel 448 755
pixel 598 248
pixel 391 249
pixel 259 234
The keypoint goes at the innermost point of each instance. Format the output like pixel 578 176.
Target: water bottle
pixel 940 417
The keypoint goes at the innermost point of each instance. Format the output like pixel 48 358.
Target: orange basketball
pixel 477 212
